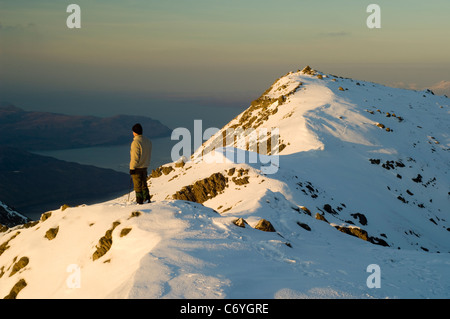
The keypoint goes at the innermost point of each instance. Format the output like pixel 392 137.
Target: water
pixel 172 114
pixel 114 157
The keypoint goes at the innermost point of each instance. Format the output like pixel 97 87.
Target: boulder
pixel 240 222
pixel 265 225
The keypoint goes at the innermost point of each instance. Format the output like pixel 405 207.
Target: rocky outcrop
pixel 265 225
pixel 21 263
pixel 354 231
pixel 361 218
pixel 5 245
pixel 105 243
pixel 125 232
pixel 204 189
pixel 241 222
pixel 160 171
pixel 16 289
pixel 321 217
pixel 51 233
pixel 242 177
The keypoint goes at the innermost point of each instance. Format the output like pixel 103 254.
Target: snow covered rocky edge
pixel 361 179
pixel 9 217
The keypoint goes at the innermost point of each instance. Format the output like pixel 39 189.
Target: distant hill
pixel 33 183
pixel 51 131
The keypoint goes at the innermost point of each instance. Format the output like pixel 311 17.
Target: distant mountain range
pixel 51 131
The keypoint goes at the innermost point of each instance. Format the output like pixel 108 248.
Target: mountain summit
pixel 358 180
pixel 357 153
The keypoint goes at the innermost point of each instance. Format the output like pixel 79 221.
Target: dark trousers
pixel 140 185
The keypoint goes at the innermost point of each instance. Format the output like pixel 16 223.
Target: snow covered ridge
pixel 9 217
pixel 348 194
pixel 382 150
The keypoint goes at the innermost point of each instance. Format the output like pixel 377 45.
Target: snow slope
pixel 334 169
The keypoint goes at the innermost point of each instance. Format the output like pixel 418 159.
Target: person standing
pixel 140 154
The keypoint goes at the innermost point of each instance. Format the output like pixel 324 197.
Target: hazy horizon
pixel 153 57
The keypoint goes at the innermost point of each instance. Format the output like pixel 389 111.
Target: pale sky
pixel 216 49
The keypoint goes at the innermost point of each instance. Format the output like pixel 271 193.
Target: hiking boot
pixel 140 198
pixel 146 195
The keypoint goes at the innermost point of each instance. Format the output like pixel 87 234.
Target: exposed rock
pixel 307 70
pixel 302 209
pixel 388 165
pixel 265 225
pixel 125 231
pixel 321 217
pixel 30 224
pixel 361 218
pixel 203 190
pixel 378 241
pixel 181 162
pixel 402 199
pixel 167 169
pixel 16 289
pixel 161 170
pixel 308 189
pixel 354 231
pixel 51 233
pixel 417 179
pixel 21 263
pixel 329 209
pixel 240 222
pixel 4 246
pixel 304 226
pixel 45 216
pixel 306 210
pixel 241 181
pixel 242 172
pixel 105 243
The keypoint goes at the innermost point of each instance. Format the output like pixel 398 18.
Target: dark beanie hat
pixel 137 128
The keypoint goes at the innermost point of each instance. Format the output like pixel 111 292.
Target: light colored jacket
pixel 140 152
